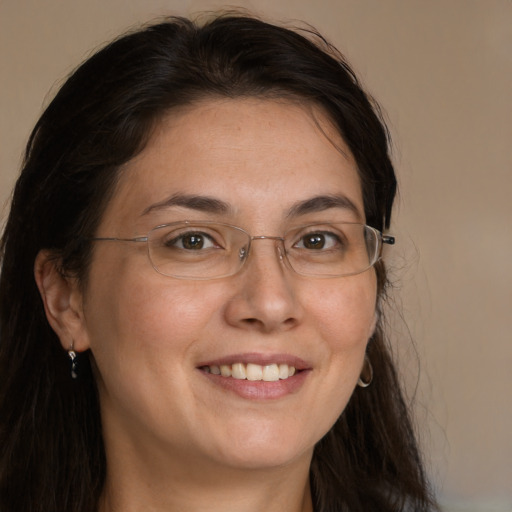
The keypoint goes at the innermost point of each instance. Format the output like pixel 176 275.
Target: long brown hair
pixel 52 456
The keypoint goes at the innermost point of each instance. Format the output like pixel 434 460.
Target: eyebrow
pixel 321 203
pixel 213 205
pixel 194 202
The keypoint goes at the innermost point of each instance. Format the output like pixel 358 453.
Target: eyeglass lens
pixel 213 250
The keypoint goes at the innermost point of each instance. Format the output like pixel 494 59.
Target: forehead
pixel 212 126
pixel 249 153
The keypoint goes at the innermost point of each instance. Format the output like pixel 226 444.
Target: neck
pixel 186 487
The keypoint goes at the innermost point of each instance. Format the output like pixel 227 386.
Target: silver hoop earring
pixel 74 362
pixel 366 374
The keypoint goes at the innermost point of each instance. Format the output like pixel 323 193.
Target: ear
pixel 63 302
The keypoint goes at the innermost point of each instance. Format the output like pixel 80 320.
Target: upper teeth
pixel 250 371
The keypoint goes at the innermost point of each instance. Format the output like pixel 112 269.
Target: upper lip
pixel 258 358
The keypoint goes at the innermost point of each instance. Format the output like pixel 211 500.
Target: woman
pixel 191 285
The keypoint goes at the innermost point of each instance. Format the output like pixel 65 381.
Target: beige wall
pixel 443 71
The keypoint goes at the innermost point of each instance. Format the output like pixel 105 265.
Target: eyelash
pixel 179 240
pixel 173 242
pixel 325 234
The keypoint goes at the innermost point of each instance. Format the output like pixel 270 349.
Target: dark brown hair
pixel 52 456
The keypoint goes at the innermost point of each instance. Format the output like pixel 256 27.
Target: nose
pixel 266 297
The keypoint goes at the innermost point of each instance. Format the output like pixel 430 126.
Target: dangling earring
pixel 366 373
pixel 74 362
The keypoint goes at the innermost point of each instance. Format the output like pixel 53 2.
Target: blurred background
pixel 442 70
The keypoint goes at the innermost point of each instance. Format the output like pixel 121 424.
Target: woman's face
pixel 255 164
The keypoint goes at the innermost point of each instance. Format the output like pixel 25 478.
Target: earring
pixel 74 362
pixel 366 374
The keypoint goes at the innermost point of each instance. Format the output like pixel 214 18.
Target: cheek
pixel 345 310
pixel 137 318
pixel 154 316
pixel 344 314
pixel 143 334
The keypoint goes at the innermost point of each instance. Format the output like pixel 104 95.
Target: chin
pixel 265 447
pixel 265 459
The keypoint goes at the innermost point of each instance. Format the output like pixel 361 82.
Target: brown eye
pixel 192 241
pixel 314 241
pixel 318 241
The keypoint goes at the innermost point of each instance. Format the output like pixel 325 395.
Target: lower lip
pixel 259 389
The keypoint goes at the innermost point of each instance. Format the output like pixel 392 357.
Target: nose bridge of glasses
pixel 244 252
pixel 265 237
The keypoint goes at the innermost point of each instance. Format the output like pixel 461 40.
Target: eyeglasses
pixel 210 250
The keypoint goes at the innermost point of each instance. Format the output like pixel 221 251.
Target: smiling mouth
pixel 253 372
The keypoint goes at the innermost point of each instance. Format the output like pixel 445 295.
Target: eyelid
pixel 322 227
pixel 174 234
pixel 328 234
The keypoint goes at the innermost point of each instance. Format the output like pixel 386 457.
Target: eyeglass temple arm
pixel 388 239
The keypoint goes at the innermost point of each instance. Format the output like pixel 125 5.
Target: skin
pixel 175 440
